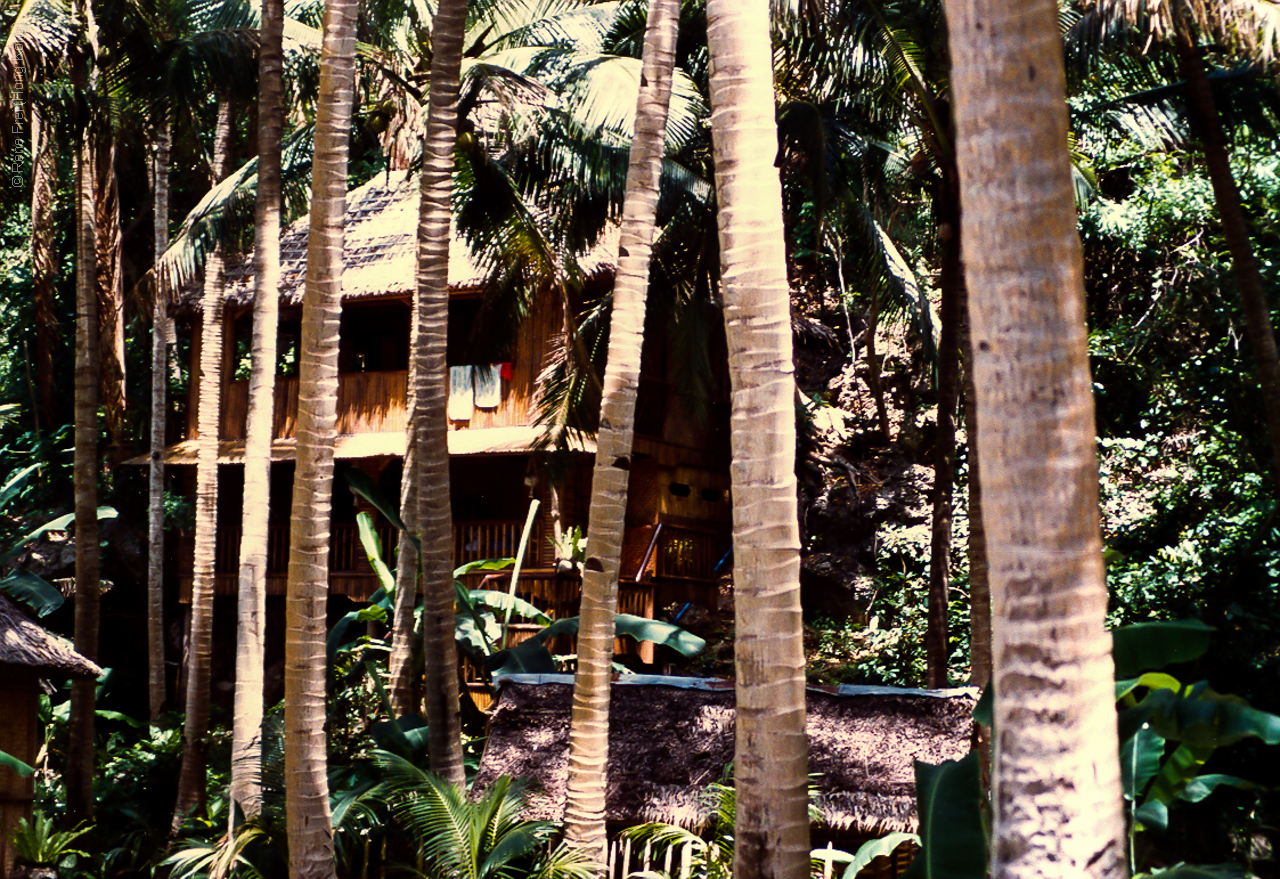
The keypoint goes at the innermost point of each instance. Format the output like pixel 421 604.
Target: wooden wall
pixel 375 401
pixel 19 736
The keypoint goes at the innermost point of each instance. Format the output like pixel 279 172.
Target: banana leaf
pixel 953 844
pixel 33 591
pixel 1145 646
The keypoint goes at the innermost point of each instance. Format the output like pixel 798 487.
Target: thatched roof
pixel 670 737
pixel 511 440
pixel 379 253
pixel 24 643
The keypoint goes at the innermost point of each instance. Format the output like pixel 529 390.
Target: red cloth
pixel 506 372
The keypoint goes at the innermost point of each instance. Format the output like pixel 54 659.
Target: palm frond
pixel 38 38
pixel 226 213
pixel 1249 27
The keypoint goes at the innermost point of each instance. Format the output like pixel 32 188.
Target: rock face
pixel 831 585
pixel 854 486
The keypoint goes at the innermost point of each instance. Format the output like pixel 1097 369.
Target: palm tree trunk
pixel 589 724
pixel 191 780
pixel 110 292
pixel 771 831
pixel 159 410
pixel 951 280
pixel 246 743
pixel 1056 781
pixel 428 425
pixel 44 268
pixel 307 813
pixel 80 758
pixel 405 683
pixel 1207 124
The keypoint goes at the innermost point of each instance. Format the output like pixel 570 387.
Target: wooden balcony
pixel 665 554
pixel 350 573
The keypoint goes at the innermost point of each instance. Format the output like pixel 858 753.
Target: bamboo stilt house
pixel 678 513
pixel 28 653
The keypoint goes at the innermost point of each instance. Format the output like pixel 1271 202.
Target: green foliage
pixel 249 852
pixel 953 838
pixel 707 852
pixel 12 762
pixel 531 656
pixel 866 854
pixel 473 837
pixel 37 844
pixel 1144 646
pixel 23 586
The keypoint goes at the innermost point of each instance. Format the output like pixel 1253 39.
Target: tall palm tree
pixel 80 762
pixel 191 780
pixel 246 754
pixel 1052 670
pixel 85 473
pixel 589 725
pixel 433 516
pixel 160 338
pixel 307 812
pixel 771 757
pixel 110 286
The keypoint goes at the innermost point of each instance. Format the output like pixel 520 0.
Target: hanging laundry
pixel 488 386
pixel 506 371
pixel 462 393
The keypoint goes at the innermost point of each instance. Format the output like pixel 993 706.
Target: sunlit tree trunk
pixel 44 268
pixel 191 780
pixel 246 744
pixel 589 726
pixel 160 325
pixel 1055 775
pixel 307 813
pixel 1207 125
pixel 771 832
pixel 80 762
pixel 428 424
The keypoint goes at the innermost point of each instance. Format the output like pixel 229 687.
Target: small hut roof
pixel 379 254
pixel 25 643
pixel 671 737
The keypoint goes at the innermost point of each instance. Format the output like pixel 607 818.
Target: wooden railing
pixel 349 570
pixel 687 553
pixel 673 552
pixel 670 552
pixel 493 539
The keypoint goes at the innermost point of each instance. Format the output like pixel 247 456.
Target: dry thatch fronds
pixel 669 738
pixel 25 643
pixel 1250 27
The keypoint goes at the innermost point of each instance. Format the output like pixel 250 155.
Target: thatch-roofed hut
pixel 670 737
pixel 27 653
